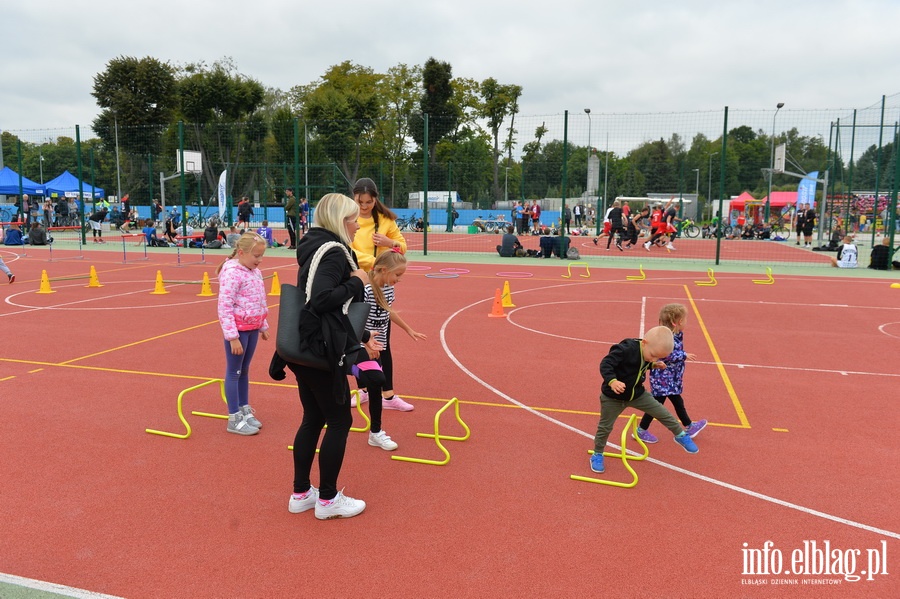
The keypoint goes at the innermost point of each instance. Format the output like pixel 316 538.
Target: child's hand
pixel 373 343
pixel 660 365
pixel 691 357
pixel 617 386
pixel 416 335
pixel 264 335
pixel 236 348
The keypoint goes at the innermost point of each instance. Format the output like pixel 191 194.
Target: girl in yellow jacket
pixel 378 232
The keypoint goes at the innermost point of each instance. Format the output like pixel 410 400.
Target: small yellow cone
pixel 160 288
pixel 45 283
pixel 507 296
pixel 276 285
pixel 205 289
pixel 95 281
pixel 895 285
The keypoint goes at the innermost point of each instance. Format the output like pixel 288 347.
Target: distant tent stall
pixel 745 206
pixel 9 184
pixel 67 185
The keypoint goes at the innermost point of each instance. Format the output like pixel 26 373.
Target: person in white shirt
pixel 847 255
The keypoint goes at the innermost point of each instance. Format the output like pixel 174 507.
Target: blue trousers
pixel 237 371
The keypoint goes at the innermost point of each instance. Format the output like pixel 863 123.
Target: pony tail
pixel 233 252
pixel 378 292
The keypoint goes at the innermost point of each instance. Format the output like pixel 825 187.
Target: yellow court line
pixel 728 386
pixel 147 340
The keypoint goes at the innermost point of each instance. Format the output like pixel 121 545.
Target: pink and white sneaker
pixel 363 398
pixel 396 403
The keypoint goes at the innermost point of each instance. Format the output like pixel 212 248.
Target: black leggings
pixel 612 234
pixel 320 407
pixel 677 403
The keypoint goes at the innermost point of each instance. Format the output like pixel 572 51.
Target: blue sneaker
pixel 597 462
pixel 685 441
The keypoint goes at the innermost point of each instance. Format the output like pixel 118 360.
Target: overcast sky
pixel 614 57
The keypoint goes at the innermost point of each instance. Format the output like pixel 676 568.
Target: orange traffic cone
pixel 160 289
pixel 276 285
pixel 497 310
pixel 45 283
pixel 95 281
pixel 205 289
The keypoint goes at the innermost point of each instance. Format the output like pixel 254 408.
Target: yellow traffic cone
pixel 507 296
pixel 45 283
pixel 95 281
pixel 160 288
pixel 205 289
pixel 276 285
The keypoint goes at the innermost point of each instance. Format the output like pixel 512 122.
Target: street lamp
pixel 41 163
pixel 709 183
pixel 697 187
pixel 587 194
pixel 778 107
pixel 118 175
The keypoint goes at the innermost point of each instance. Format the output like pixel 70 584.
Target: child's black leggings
pixel 677 403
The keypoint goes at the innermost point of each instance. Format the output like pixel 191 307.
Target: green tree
pixel 138 98
pixel 437 103
pixel 221 108
pixel 499 101
pixel 341 111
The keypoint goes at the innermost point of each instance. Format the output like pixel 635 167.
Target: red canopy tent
pixel 780 199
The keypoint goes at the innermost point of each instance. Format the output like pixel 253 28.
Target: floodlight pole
pixel 118 172
pixel 771 165
pixel 587 194
pixel 709 184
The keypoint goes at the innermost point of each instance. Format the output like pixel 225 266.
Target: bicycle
pixel 781 230
pixel 407 223
pixel 689 228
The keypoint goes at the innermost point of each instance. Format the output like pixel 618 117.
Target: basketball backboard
pixel 193 162
pixel 779 159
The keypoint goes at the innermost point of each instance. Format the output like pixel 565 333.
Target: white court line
pixel 52 587
pixel 70 305
pixel 696 475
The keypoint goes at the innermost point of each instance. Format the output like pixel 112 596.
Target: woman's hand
pixel 382 240
pixel 361 275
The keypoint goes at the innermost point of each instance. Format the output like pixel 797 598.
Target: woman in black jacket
pixel 325 395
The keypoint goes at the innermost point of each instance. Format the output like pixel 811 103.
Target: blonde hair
pixel 389 262
pixel 331 212
pixel 245 243
pixel 672 313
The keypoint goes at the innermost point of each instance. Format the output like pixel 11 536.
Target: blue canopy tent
pixel 9 184
pixel 66 184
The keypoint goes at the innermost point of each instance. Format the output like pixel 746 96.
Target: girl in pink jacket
pixel 242 313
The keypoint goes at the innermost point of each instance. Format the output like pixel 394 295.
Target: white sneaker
pixel 339 507
pixel 647 246
pixel 381 439
pixel 297 506
pixel 363 398
pixel 669 246
pixel 238 424
pixel 248 412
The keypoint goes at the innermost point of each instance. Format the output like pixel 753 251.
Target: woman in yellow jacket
pixel 378 232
